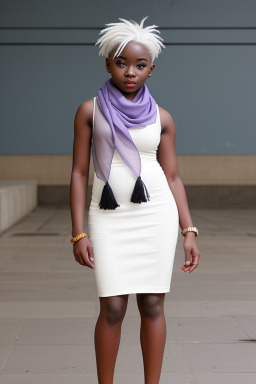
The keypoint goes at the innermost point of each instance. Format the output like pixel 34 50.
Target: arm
pixel 79 179
pixel 166 156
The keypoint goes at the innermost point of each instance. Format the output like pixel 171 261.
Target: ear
pixel 152 66
pixel 108 65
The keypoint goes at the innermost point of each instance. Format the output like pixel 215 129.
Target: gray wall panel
pixel 204 78
pixel 98 12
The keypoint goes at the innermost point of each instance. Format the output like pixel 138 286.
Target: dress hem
pixel 134 291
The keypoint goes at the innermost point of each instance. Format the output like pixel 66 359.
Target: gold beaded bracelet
pixel 78 237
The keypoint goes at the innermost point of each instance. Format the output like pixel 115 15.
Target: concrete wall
pixel 205 78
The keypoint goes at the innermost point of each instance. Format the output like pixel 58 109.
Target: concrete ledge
pixel 17 199
pixel 57 195
pixel 221 196
pixel 199 196
pixel 196 170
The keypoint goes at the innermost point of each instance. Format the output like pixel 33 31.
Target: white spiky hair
pixel 121 33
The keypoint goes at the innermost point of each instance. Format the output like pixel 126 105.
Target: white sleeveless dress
pixel 134 245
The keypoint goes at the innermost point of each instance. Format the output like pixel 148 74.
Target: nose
pixel 129 71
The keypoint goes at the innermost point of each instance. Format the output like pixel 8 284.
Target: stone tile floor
pixel 49 306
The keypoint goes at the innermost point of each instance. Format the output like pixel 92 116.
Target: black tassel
pixel 140 193
pixel 108 200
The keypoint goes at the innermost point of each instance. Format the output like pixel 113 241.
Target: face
pixel 133 64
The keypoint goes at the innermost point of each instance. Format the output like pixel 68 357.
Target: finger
pixel 187 256
pixel 195 258
pixel 187 267
pixel 81 259
pixel 90 255
pixel 86 261
pixel 193 267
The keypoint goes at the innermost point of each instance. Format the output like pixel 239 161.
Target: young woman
pixel 138 199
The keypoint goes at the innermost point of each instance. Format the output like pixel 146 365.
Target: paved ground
pixel 49 306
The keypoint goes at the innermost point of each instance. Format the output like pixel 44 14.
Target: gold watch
pixel 190 229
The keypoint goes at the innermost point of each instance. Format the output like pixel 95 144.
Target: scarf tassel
pixel 140 193
pixel 108 200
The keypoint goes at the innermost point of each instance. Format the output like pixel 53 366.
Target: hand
pixel 83 252
pixel 191 251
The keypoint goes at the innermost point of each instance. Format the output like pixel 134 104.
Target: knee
pixel 151 306
pixel 114 311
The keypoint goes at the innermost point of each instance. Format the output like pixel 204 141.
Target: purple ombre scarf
pixel 122 114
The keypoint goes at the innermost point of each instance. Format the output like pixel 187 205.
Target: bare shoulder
pixel 167 122
pixel 84 113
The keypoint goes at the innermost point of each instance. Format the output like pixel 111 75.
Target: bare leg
pixel 152 334
pixel 107 335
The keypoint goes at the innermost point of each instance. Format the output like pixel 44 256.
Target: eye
pixel 119 62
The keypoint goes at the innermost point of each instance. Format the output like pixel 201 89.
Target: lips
pixel 129 82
